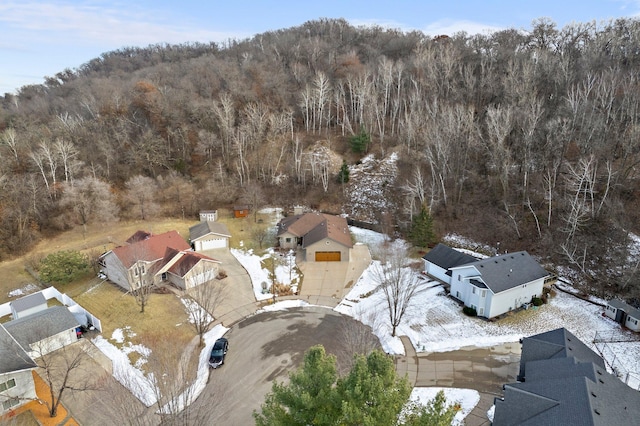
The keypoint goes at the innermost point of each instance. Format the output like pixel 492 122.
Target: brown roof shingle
pixel 150 249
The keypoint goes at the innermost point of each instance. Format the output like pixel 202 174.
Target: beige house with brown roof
pixel 187 269
pixel 322 237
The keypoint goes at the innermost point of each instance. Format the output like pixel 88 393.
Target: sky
pixel 40 38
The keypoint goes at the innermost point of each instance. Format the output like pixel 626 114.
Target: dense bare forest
pixel 518 139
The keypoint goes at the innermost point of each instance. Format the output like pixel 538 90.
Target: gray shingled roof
pixel 28 302
pixel 558 343
pixel 566 387
pixel 208 227
pixel 446 257
pixel 12 356
pixel 41 325
pixel 630 310
pixel 504 272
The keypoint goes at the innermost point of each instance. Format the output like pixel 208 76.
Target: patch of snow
pixel 127 374
pixel 466 398
pixel 27 289
pixel 195 389
pixel 195 311
pixel 285 270
pixel 117 335
pixel 283 305
pixel 491 412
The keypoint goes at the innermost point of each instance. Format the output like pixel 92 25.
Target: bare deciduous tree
pixel 202 300
pixel 396 280
pixel 141 192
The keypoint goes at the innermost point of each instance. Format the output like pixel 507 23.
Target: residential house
pixel 28 305
pixel 563 382
pixel 134 265
pixel 44 331
pixel 16 378
pixel 187 269
pixel 623 313
pixel 496 285
pixel 440 259
pixel 208 215
pixel 209 235
pixel 323 237
pixel 240 211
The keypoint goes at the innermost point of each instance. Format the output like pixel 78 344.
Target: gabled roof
pixel 564 390
pixel 150 249
pixel 39 326
pixel 446 257
pixel 138 236
pixel 559 343
pixel 510 270
pixel 187 261
pixel 208 227
pixel 623 306
pixel 28 302
pixel 13 357
pixel 313 227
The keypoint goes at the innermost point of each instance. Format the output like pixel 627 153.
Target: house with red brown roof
pixel 322 237
pixel 136 264
pixel 187 269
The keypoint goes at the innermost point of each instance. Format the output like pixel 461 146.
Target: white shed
pixel 28 305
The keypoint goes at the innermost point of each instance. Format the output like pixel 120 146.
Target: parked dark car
pixel 219 350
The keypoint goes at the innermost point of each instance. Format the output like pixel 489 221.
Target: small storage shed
pixel 623 313
pixel 208 215
pixel 28 305
pixel 240 211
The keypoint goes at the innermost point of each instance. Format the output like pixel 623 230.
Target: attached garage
pixel 328 256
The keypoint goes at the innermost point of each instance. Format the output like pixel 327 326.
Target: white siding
pixel 24 388
pixel 115 270
pixel 515 297
pixel 211 242
pixel 436 272
pixel 291 243
pixel 52 343
pixel 632 323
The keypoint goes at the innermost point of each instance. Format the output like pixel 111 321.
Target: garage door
pixel 214 243
pixel 328 256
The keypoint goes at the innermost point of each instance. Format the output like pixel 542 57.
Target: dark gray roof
pixel 569 386
pixel 558 343
pixel 570 399
pixel 446 257
pixel 28 302
pixel 41 325
pixel 504 272
pixel 12 356
pixel 206 228
pixel 630 310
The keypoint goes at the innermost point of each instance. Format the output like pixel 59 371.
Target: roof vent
pixel 593 395
pixel 597 411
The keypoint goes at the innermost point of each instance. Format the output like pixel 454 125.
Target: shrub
pixel 62 267
pixel 536 301
pixel 469 311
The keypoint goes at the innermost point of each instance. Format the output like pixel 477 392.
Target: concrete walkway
pixel 422 372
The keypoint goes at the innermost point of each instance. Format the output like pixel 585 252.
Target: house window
pixel 7 385
pixel 473 290
pixel 11 402
pixel 142 269
pixel 484 293
pixel 288 240
pixel 459 278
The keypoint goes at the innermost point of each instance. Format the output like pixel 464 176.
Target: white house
pixel 44 331
pixel 16 378
pixel 623 313
pixel 322 237
pixel 440 259
pixel 497 285
pixel 209 235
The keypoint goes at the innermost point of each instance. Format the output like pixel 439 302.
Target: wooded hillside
pixel 521 140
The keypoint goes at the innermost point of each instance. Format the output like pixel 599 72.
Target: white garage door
pixel 214 243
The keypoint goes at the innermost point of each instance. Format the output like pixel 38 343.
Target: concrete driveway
pixel 333 280
pixel 239 300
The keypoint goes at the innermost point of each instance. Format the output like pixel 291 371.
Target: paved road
pixel 264 348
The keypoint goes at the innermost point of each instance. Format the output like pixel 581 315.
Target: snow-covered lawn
pixel 284 267
pixel 466 398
